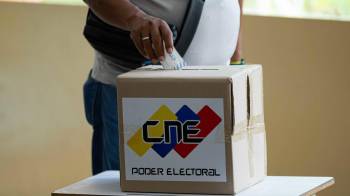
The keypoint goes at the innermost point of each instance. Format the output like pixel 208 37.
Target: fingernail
pixel 161 58
pixel 170 50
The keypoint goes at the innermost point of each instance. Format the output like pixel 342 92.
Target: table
pixel 107 183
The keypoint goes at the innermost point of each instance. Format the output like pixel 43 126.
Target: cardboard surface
pixel 195 128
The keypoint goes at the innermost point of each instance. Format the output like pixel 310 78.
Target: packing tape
pixel 254 125
pixel 247 129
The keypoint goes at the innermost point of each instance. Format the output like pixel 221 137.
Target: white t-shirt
pixel 213 44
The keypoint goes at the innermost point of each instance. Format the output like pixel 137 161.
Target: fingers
pixel 167 36
pixel 138 43
pixel 157 42
pixel 151 38
pixel 147 45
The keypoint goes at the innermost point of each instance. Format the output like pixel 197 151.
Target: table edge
pixel 320 188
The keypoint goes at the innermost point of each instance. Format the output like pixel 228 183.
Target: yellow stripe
pixel 136 142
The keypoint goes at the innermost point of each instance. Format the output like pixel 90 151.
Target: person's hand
pixel 150 35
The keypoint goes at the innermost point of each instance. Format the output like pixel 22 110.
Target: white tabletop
pixel 107 183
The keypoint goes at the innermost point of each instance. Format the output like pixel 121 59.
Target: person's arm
pixel 145 30
pixel 238 53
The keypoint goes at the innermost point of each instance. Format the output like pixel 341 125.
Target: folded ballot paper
pixel 195 130
pixel 173 61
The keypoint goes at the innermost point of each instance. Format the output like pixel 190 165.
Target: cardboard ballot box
pixel 196 130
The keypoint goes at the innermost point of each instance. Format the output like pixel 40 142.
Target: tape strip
pixel 249 128
pixel 244 129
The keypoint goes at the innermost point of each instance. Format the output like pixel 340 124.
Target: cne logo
pixel 182 131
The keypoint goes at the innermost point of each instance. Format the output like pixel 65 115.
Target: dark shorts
pixel 100 101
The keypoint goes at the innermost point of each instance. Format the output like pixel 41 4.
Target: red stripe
pixel 208 121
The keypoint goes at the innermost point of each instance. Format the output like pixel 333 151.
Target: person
pixel 215 42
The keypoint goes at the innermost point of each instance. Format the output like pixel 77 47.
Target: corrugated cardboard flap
pixel 249 118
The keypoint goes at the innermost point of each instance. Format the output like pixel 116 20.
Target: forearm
pixel 118 13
